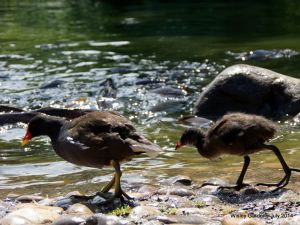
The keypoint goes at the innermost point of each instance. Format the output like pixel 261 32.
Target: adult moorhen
pixel 237 134
pixel 95 139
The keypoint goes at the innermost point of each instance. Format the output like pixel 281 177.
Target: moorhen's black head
pixel 191 136
pixel 43 125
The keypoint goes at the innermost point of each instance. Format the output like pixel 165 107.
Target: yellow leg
pixel 119 193
pixel 107 187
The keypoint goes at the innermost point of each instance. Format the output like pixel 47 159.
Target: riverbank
pixel 177 201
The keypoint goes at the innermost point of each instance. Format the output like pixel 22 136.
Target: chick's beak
pixel 26 138
pixel 178 145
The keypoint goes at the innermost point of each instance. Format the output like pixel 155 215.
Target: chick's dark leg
pixel 118 190
pixel 239 183
pixel 288 171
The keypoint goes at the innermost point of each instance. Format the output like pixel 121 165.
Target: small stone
pixel 217 181
pixel 147 189
pixel 68 220
pixel 208 190
pixel 47 201
pixel 206 200
pixel 175 191
pixel 73 193
pixel 143 212
pixel 29 198
pixel 12 196
pixel 98 200
pixel 101 219
pixel 180 179
pixel 79 210
pixel 63 203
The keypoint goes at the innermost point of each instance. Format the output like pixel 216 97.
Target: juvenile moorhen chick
pixel 95 139
pixel 237 134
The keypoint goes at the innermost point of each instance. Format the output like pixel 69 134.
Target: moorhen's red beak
pixel 26 138
pixel 178 145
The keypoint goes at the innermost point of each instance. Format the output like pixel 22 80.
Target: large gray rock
pixel 250 89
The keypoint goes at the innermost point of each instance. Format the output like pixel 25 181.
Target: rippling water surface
pixel 148 60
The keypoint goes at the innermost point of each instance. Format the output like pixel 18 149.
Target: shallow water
pixel 149 61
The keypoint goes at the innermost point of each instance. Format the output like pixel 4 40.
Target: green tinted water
pixel 141 46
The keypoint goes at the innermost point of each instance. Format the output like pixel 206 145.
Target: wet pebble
pixel 168 91
pixel 175 191
pixel 147 189
pixel 64 203
pixel 29 198
pixel 207 199
pixel 98 200
pixel 68 220
pixel 47 201
pixel 102 219
pixel 73 193
pixel 79 210
pixel 144 212
pixel 208 190
pixel 12 196
pixel 180 179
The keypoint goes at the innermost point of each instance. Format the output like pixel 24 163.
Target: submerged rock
pixel 180 179
pixel 250 89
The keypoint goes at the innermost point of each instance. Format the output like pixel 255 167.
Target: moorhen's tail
pixel 142 145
